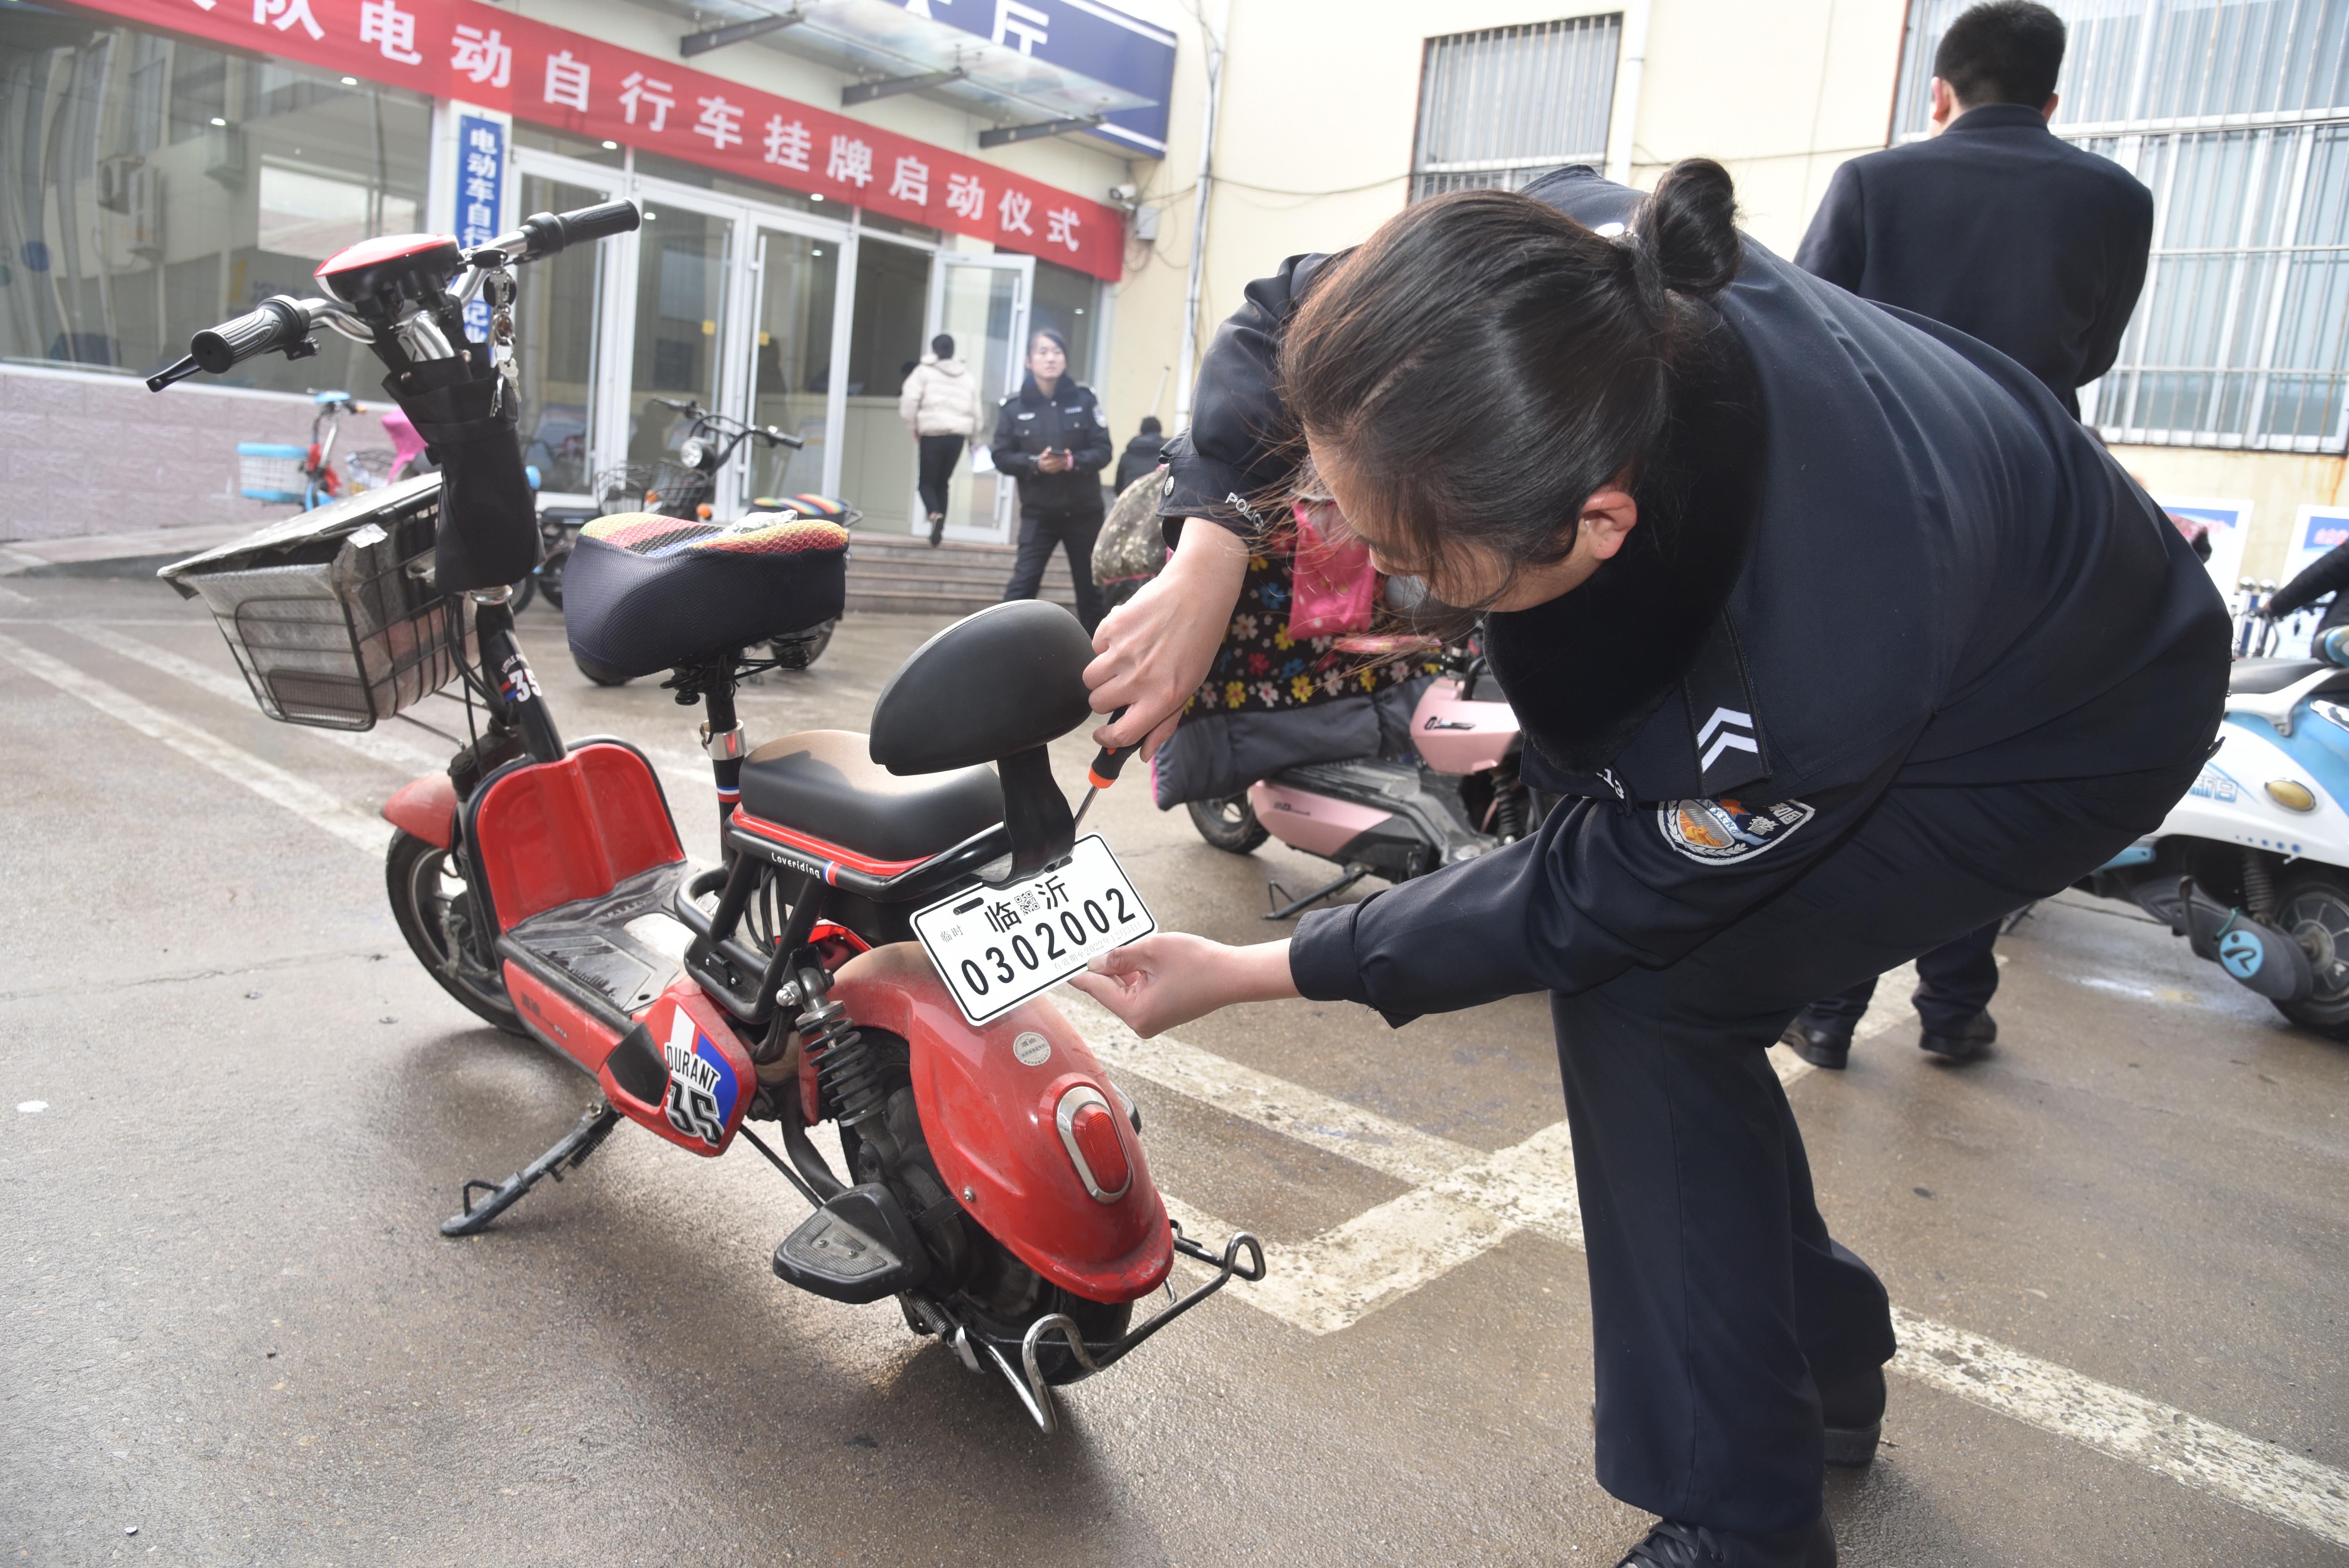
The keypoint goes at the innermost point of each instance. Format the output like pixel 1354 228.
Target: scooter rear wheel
pixel 1229 824
pixel 433 904
pixel 2315 912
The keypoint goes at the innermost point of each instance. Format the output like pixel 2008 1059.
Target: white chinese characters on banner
pixel 383 24
pixel 720 121
pixel 1060 226
pixel 284 14
pixel 1011 213
pixel 483 56
pixel 966 197
pixel 637 88
pixel 788 145
pixel 850 162
pixel 566 81
pixel 911 182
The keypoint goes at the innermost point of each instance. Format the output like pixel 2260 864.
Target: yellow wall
pixel 2277 485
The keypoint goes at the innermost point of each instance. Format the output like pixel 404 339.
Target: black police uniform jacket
pixel 1998 228
pixel 1029 423
pixel 1937 578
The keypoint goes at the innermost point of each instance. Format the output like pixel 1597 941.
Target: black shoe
pixel 1970 1043
pixel 1671 1544
pixel 1853 1410
pixel 1821 1045
pixel 937 526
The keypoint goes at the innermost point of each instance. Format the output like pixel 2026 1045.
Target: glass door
pixel 794 281
pixel 685 258
pixel 558 311
pixel 982 301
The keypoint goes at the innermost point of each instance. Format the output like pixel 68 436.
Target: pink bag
pixel 1335 582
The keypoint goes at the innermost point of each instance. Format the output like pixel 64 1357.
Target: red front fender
pixel 988 1115
pixel 425 808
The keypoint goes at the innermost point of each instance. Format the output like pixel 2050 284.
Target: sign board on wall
pixel 511 63
pixel 478 212
pixel 2226 523
pixel 1088 38
pixel 2314 535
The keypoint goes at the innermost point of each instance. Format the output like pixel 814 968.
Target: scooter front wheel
pixel 433 903
pixel 2315 912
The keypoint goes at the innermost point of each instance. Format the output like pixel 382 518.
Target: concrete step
pixel 906 575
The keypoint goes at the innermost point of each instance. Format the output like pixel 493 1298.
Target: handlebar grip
pixel 778 438
pixel 549 231
pixel 278 323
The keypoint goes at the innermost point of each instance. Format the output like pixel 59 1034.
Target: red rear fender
pixel 989 1097
pixel 425 808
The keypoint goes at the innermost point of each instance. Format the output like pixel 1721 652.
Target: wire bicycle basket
pixel 332 615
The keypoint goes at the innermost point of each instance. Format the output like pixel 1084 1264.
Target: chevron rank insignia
pixel 1716 832
pixel 1724 733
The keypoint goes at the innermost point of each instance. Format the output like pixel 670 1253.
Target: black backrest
pixel 1005 680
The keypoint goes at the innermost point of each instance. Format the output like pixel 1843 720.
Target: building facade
pixel 822 194
pixel 826 184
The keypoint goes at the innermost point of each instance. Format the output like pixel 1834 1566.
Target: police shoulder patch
pixel 1718 831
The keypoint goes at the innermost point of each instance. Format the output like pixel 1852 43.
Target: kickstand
pixel 1354 874
pixel 572 1152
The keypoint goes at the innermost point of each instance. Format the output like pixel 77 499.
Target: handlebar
pixel 278 323
pixel 545 234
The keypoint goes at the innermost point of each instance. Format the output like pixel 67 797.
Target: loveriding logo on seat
pixel 1716 832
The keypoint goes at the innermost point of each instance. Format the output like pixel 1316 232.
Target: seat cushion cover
pixel 824 783
pixel 643 593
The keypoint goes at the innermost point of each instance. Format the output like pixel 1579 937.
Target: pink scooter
pixel 1460 797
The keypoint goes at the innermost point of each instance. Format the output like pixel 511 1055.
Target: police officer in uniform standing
pixel 2025 671
pixel 1995 226
pixel 1051 439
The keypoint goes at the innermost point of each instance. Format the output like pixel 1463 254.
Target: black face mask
pixel 1586 671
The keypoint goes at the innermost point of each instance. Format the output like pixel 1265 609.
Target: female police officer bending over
pixel 1854 641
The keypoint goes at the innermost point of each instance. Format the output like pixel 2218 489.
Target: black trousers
pixel 1719 1302
pixel 1042 532
pixel 1955 983
pixel 939 455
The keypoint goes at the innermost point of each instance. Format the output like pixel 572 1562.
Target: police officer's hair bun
pixel 1688 228
pixel 1485 363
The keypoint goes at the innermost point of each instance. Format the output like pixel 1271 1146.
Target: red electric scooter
pixel 873 948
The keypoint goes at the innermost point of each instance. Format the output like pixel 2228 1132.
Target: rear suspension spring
pixel 845 1069
pixel 2259 886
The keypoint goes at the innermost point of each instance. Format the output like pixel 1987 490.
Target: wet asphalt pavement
pixel 234 1334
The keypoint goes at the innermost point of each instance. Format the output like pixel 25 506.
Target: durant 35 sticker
pixel 1716 831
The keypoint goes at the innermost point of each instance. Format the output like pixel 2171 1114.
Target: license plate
pixel 996 947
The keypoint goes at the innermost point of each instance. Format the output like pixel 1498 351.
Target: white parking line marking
pixel 2211 1457
pixel 1364 1137
pixel 1352 1269
pixel 240 767
pixel 386 750
pixel 1464 1204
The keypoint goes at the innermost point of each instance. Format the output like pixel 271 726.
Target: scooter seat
pixel 2258 677
pixel 643 593
pixel 824 784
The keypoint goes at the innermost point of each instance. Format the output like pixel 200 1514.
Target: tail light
pixel 1088 1132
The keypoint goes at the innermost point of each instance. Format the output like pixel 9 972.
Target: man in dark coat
pixel 1140 454
pixel 1998 228
pixel 1994 225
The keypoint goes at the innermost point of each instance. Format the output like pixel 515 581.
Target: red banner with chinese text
pixel 462 49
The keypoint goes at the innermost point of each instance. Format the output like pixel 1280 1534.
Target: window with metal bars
pixel 1502 107
pixel 2235 113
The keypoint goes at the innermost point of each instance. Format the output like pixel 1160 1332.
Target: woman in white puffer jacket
pixel 940 406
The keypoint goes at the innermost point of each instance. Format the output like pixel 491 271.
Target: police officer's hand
pixel 1157 646
pixel 1163 980
pixel 1052 462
